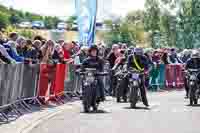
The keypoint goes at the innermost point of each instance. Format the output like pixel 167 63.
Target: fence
pixel 167 76
pixel 39 83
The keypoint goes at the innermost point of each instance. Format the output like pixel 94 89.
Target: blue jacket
pixel 13 54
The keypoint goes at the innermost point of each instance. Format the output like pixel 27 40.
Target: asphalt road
pixel 168 113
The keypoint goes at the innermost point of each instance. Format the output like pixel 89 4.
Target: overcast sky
pixel 63 8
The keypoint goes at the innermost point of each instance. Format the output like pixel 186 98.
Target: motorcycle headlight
pixel 192 83
pixel 135 83
pixel 135 76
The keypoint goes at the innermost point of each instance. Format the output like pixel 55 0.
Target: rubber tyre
pixel 191 95
pixel 191 101
pixel 86 107
pixel 133 97
pixel 87 99
pixel 125 99
pixel 195 101
pixel 118 99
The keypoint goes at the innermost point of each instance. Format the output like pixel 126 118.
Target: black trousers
pixel 186 86
pixel 100 87
pixel 113 84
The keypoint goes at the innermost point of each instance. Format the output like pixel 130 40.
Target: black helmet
pixel 93 47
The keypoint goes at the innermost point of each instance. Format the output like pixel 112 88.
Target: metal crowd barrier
pixel 24 84
pixel 167 76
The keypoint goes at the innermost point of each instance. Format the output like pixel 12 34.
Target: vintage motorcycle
pixel 136 93
pixel 193 83
pixel 90 91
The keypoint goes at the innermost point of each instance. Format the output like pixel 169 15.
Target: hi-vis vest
pixel 137 65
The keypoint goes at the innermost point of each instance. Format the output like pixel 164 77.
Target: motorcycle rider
pixel 118 70
pixel 94 61
pixel 139 62
pixel 192 63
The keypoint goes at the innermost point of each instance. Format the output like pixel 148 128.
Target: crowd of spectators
pixel 16 49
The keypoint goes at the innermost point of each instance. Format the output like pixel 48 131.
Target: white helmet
pixel 195 54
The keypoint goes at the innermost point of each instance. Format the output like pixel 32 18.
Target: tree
pixel 51 22
pixel 4 20
pixel 135 16
pixel 70 21
pixel 15 18
pixel 152 19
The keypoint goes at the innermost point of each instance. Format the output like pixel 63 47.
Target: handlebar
pixel 135 71
pixel 95 73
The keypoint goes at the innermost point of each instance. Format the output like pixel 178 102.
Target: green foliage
pixel 4 20
pixel 51 22
pixel 71 20
pixel 27 33
pixel 119 33
pixel 12 16
pixel 10 29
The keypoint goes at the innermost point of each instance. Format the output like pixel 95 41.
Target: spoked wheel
pixel 133 97
pixel 95 108
pixel 192 95
pixel 117 92
pixel 125 99
pixel 87 98
pixel 191 101
pixel 86 107
pixel 195 101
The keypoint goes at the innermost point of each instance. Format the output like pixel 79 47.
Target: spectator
pixel 113 55
pixel 124 46
pixel 173 58
pixel 156 57
pixel 21 46
pixel 47 52
pixel 61 42
pixel 164 58
pixel 58 53
pixel 12 51
pixel 37 44
pixel 13 36
pixel 2 40
pixel 4 56
pixel 67 48
pixel 83 53
pixel 29 50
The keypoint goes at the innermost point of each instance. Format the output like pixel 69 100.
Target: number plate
pixel 135 76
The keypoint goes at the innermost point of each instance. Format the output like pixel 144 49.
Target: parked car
pixel 74 27
pixel 38 25
pixel 25 25
pixel 62 26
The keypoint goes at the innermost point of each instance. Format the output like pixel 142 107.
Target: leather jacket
pixel 93 62
pixel 193 63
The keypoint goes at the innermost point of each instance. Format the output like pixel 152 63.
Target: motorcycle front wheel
pixel 133 97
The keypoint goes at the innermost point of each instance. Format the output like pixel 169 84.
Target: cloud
pixel 67 7
pixel 122 7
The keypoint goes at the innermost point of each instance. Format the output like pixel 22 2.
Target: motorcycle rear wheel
pixel 195 101
pixel 191 101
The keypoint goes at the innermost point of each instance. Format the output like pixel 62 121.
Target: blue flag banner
pixel 86 11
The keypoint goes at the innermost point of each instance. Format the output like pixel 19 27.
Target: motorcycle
pixel 90 93
pixel 121 91
pixel 136 95
pixel 192 81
